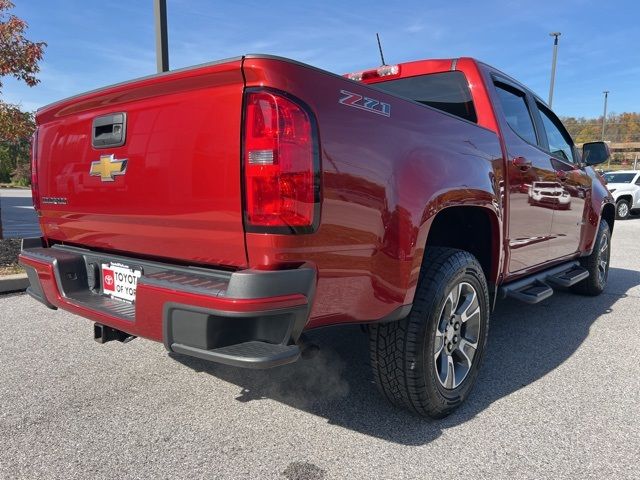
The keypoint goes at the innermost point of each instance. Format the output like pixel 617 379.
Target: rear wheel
pixel 622 209
pixel 597 264
pixel 429 361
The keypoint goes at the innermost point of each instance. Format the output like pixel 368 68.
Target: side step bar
pixel 537 287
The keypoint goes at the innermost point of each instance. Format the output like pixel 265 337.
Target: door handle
pixel 109 130
pixel 522 163
pixel 562 175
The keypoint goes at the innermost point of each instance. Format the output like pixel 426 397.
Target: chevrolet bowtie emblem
pixel 108 167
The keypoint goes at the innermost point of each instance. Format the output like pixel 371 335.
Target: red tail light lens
pixel 35 190
pixel 281 165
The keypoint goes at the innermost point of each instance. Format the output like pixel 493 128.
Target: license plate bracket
pixel 120 281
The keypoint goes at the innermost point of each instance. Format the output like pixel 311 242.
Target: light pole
pixel 553 64
pixel 604 115
pixel 162 44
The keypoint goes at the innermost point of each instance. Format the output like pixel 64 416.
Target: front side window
pixel 516 112
pixel 560 144
pixel 446 91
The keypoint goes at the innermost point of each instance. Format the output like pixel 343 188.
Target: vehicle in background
pixel 550 195
pixel 624 185
pixel 227 208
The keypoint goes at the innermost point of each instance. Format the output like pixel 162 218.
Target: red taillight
pixel 281 165
pixel 35 191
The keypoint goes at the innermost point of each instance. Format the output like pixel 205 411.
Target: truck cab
pixel 543 224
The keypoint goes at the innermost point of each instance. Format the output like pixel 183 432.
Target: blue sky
pixel 92 44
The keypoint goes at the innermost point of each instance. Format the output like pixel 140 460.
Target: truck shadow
pixel 525 343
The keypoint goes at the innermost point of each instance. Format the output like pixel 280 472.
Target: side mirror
pixel 594 153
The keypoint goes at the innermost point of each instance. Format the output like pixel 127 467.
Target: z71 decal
pixel 365 103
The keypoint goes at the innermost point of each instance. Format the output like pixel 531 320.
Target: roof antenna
pixel 380 48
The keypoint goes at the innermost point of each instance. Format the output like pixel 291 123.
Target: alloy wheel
pixel 623 210
pixel 456 336
pixel 603 260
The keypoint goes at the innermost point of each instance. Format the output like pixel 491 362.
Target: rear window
pixel 447 91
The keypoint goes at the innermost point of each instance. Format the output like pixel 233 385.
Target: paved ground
pixel 558 397
pixel 18 217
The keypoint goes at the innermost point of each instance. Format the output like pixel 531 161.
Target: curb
pixel 14 283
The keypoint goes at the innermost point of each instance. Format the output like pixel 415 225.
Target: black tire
pixel 623 209
pixel 403 358
pixel 597 264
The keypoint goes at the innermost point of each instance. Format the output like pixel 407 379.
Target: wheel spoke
pixel 467 350
pixel 466 314
pixel 470 307
pixel 450 379
pixel 452 302
pixel 439 344
pixel 442 367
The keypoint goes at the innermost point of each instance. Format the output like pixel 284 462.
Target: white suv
pixel 624 185
pixel 549 194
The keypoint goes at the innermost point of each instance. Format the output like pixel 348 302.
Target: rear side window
pixel 516 112
pixel 447 91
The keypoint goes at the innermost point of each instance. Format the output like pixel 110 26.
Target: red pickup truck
pixel 224 209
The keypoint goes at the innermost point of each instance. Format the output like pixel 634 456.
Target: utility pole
pixel 162 43
pixel 604 115
pixel 553 64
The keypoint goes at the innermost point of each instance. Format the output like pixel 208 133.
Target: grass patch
pixel 11 270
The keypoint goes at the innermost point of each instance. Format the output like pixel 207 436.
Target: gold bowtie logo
pixel 108 167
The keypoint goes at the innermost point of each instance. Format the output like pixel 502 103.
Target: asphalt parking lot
pixel 18 216
pixel 558 397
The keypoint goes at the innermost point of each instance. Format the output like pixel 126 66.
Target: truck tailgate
pixel 178 196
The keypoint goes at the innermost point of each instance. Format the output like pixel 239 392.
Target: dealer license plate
pixel 120 281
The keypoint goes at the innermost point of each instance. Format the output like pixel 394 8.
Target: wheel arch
pixel 609 215
pixel 472 228
pixel 625 196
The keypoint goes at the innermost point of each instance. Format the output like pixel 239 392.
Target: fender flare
pixel 491 209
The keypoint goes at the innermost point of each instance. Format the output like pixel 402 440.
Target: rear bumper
pixel 248 318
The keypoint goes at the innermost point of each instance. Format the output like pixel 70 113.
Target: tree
pixel 19 58
pixel 622 128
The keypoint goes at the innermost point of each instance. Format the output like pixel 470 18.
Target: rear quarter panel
pixel 384 179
